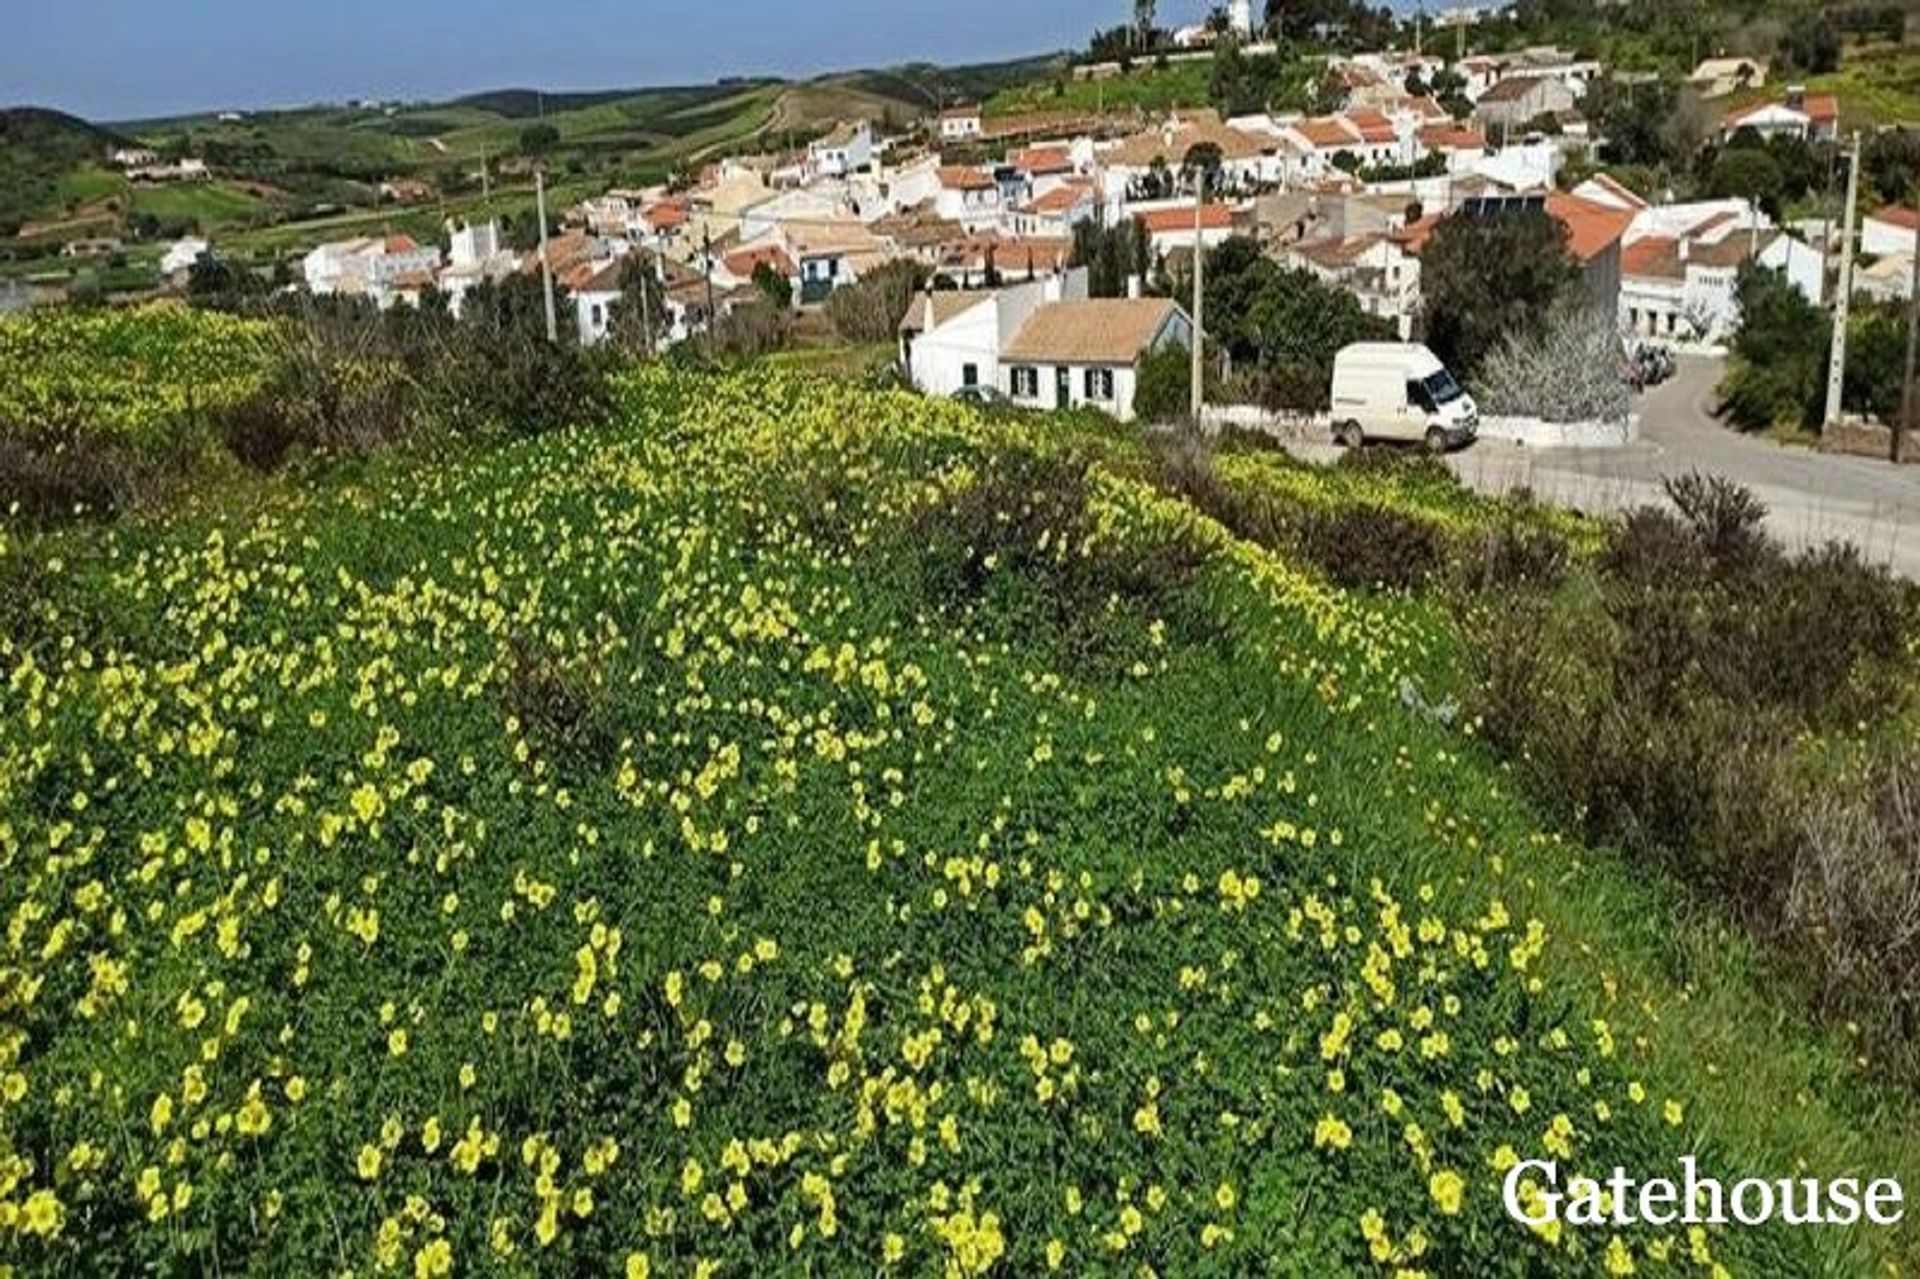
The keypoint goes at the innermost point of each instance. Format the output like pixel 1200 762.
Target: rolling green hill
pixel 38 150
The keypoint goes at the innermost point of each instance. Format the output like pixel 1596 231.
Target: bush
pixel 1163 391
pixel 50 475
pixel 871 308
pixel 1689 707
pixel 1371 546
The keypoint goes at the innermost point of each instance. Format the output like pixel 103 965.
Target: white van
pixel 1399 391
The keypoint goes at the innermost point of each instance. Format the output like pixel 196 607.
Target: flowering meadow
pixel 138 373
pixel 799 830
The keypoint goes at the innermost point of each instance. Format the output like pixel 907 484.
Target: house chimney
pixel 1133 286
pixel 1796 96
pixel 1685 248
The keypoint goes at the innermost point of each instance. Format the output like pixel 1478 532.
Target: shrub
pixel 1567 371
pixel 51 475
pixel 1371 546
pixel 871 308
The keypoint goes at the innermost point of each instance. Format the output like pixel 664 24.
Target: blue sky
pixel 122 59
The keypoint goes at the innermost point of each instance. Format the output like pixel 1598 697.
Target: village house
pixel 1056 212
pixel 384 268
pixel 1246 159
pixel 830 253
pixel 847 148
pixel 1717 77
pixel 1890 230
pixel 476 256
pixel 968 196
pixel 1814 117
pixel 1478 73
pixel 951 340
pixel 180 257
pixel 960 123
pixel 1173 226
pixel 1376 267
pixel 978 262
pixel 1681 288
pixel 1508 108
pixel 1086 353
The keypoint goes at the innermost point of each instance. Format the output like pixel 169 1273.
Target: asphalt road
pixel 1811 497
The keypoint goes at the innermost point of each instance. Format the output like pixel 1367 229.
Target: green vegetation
pixel 1146 86
pixel 38 149
pixel 1777 368
pixel 912 837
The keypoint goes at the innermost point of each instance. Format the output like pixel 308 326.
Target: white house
pixel 830 253
pixel 595 291
pixel 1173 226
pixel 1056 212
pixel 1889 231
pixel 181 255
pixel 1813 116
pixel 960 123
pixel 476 256
pixel 952 340
pixel 1086 353
pixel 819 203
pixel 847 148
pixel 1681 288
pixel 381 268
pixel 970 197
pixel 1377 268
pixel 1717 77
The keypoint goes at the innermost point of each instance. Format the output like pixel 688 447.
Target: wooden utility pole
pixel 546 264
pixel 646 304
pixel 1837 361
pixel 1197 396
pixel 706 255
pixel 1909 400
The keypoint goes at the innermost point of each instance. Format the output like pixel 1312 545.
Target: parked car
pixel 1399 391
pixel 985 396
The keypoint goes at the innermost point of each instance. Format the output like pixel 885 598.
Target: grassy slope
pixel 1150 88
pixel 631 557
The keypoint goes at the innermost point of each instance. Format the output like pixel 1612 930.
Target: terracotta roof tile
pixel 1095 331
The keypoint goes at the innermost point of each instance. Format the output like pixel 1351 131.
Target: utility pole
pixel 646 304
pixel 1837 361
pixel 706 257
pixel 1196 396
pixel 1909 399
pixel 546 264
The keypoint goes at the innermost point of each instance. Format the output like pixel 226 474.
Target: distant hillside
pixel 528 104
pixel 37 148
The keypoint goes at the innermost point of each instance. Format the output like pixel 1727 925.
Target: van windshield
pixel 1442 387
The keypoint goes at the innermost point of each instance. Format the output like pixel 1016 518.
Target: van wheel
pixel 1347 435
pixel 1436 440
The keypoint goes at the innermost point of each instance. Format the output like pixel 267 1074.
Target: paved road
pixel 1811 497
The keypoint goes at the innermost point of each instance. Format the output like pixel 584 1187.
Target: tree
pixel 1202 159
pixel 1279 328
pixel 871 308
pixel 1163 390
pixel 1244 83
pixel 1777 365
pixel 1566 371
pixel 1449 89
pixel 640 316
pixel 1811 44
pixel 1749 173
pixel 1143 22
pixel 1890 159
pixel 538 139
pixel 1111 255
pixel 1483 277
pixel 772 285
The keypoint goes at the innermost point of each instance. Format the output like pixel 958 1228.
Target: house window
pixel 1099 384
pixel 1026 383
pixel 969 375
pixel 599 315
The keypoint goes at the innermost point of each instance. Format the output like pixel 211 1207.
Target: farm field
pixel 805 828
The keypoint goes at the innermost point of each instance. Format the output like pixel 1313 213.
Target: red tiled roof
pixel 1059 200
pixel 1448 137
pixel 1037 160
pixel 663 216
pixel 1821 106
pixel 1898 215
pixel 1373 126
pixel 1326 131
pixel 1591 228
pixel 1213 217
pixel 960 178
pixel 1643 255
pixel 401 244
pixel 1414 235
pixel 741 262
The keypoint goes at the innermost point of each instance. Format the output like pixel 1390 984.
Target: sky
pixel 115 60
